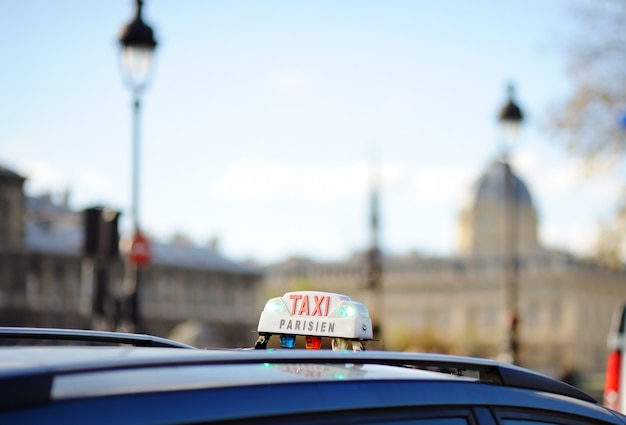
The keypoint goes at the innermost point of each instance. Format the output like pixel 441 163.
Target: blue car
pixel 138 379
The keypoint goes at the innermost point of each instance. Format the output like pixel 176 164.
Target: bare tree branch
pixel 591 121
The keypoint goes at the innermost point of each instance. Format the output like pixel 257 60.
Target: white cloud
pixel 268 179
pixel 99 186
pixel 86 185
pixel 575 236
pixel 258 179
pixel 444 184
pixel 551 177
pixel 571 203
pixel 43 176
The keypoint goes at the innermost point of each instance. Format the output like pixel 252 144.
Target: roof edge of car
pixel 94 336
pixel 485 370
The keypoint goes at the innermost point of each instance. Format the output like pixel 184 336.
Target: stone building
pixel 461 304
pixel 191 292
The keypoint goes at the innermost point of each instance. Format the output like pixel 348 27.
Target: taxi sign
pixel 316 313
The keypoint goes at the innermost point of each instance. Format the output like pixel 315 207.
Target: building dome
pixel 495 214
pixel 491 186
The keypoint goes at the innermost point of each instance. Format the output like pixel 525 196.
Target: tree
pixel 591 122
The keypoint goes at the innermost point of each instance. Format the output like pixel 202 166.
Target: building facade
pixel 192 293
pixel 461 304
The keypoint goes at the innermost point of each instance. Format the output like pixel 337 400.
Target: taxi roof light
pixel 316 313
pixel 347 311
pixel 350 309
pixel 313 342
pixel 287 341
pixel 275 305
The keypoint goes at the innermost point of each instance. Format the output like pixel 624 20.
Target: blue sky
pixel 262 118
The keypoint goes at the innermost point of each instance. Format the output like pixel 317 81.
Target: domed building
pixel 463 303
pixel 500 198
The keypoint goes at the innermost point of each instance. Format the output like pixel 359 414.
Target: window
pixel 57 290
pixel 532 315
pixel 229 292
pixel 4 218
pixel 188 288
pixel 471 317
pixel 416 318
pixel 207 291
pixel 166 289
pixel 529 417
pixel 33 284
pixel 397 416
pixel 490 316
pixel 555 314
pixel 444 318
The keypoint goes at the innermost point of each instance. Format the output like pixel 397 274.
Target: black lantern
pixel 138 44
pixel 510 118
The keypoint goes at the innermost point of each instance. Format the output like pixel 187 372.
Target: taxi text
pixel 306 325
pixel 303 306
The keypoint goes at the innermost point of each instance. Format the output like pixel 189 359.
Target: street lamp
pixel 510 119
pixel 374 262
pixel 138 45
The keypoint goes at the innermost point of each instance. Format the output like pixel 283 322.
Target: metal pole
pixel 374 265
pixel 134 272
pixel 511 262
pixel 511 117
pixel 135 161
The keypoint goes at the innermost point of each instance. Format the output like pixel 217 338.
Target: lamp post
pixel 510 119
pixel 374 260
pixel 138 45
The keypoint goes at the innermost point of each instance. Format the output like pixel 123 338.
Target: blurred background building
pixel 458 304
pixel 451 304
pixel 46 279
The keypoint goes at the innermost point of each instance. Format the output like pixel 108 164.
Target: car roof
pixel 42 376
pixel 35 373
pixel 29 334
